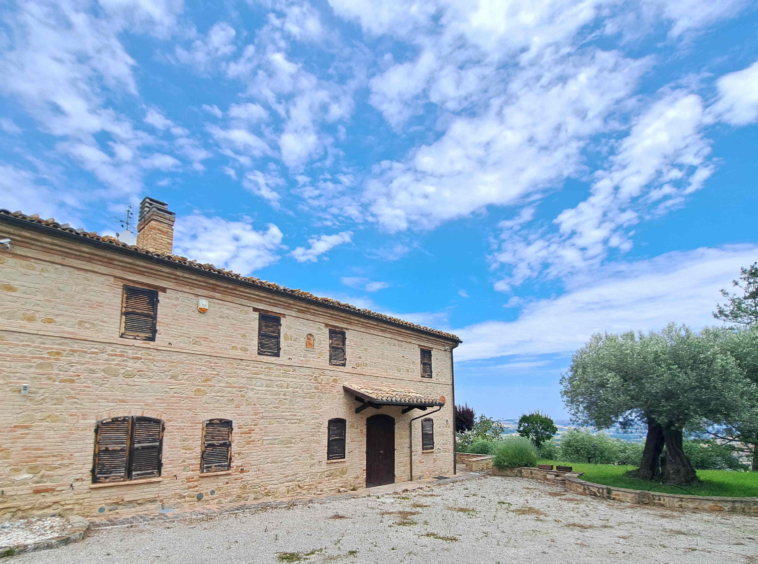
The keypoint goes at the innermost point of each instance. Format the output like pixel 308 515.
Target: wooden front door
pixel 380 450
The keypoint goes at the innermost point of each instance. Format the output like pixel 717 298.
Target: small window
pixel 426 363
pixel 337 434
pixel 427 434
pixel 337 356
pixel 217 445
pixel 127 448
pixel 269 329
pixel 139 313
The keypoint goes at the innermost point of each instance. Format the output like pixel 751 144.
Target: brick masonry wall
pixel 59 332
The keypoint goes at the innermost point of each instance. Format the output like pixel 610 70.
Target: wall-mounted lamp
pixel 202 306
pixel 6 243
pixel 24 389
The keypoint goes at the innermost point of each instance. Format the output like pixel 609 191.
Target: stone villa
pixel 137 381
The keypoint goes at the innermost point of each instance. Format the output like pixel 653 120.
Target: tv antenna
pixel 126 223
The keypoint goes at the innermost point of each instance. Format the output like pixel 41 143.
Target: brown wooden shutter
pixel 337 356
pixel 269 328
pixel 427 434
pixel 426 363
pixel 140 313
pixel 111 449
pixel 147 444
pixel 337 435
pixel 217 445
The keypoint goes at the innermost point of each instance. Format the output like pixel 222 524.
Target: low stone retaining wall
pixel 474 462
pixel 574 484
pixel 749 505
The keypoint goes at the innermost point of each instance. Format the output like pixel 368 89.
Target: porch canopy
pixel 379 396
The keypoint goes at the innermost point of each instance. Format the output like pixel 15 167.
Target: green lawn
pixel 713 482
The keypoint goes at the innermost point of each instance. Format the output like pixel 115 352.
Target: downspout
pixel 452 377
pixel 410 431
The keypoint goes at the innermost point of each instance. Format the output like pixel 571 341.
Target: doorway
pixel 380 450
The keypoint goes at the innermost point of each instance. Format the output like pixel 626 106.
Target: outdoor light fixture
pixel 6 243
pixel 202 306
pixel 24 389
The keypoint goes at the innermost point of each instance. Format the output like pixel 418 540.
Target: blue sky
pixel 521 172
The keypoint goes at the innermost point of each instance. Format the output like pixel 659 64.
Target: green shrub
pixel 579 446
pixel 629 454
pixel 550 450
pixel 482 447
pixel 514 452
pixel 710 455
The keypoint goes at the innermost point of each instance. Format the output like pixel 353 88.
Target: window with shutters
pixel 269 329
pixel 127 448
pixel 336 442
pixel 217 445
pixel 427 434
pixel 337 356
pixel 426 363
pixel 139 313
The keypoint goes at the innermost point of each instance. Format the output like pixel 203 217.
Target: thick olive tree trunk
pixel 678 469
pixel 650 466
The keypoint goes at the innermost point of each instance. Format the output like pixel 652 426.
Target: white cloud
pixel 155 118
pixel 688 15
pixel 206 52
pixel 644 295
pixel 302 22
pixel 364 283
pixel 160 161
pixel 9 126
pixel 233 245
pixel 320 245
pixel 738 97
pixel 262 185
pixel 376 286
pixel 463 293
pixel 22 190
pixel 156 15
pixel 213 110
pixel 240 139
pixel 247 112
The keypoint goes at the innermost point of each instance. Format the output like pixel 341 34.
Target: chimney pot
pixel 155 228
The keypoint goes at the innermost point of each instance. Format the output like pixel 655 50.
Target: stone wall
pixel 475 462
pixel 59 333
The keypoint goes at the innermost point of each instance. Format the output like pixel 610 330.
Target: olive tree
pixel 669 380
pixel 537 427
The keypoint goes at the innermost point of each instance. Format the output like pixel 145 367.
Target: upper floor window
pixel 335 449
pixel 337 356
pixel 427 434
pixel 217 445
pixel 127 448
pixel 426 363
pixel 269 330
pixel 139 313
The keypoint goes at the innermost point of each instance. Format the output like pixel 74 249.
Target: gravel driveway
pixel 482 520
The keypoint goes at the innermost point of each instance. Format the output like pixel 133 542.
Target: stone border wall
pixel 474 462
pixel 572 482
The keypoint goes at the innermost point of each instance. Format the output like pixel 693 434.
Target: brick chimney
pixel 155 228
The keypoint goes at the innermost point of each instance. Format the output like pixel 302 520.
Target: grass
pixel 721 483
pixel 297 556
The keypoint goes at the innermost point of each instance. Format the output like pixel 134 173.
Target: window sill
pixel 210 474
pixel 430 451
pixel 336 461
pixel 125 483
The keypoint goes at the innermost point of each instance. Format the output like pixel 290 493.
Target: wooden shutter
pixel 426 363
pixel 337 356
pixel 147 444
pixel 140 313
pixel 269 328
pixel 111 449
pixel 337 434
pixel 217 445
pixel 427 434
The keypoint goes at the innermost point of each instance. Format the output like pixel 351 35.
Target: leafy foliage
pixel 482 447
pixel 464 418
pixel 578 445
pixel 741 309
pixel 515 452
pixel 550 450
pixel 710 455
pixel 537 427
pixel 485 429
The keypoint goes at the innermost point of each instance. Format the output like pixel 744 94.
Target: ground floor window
pixel 427 434
pixel 337 435
pixel 127 448
pixel 217 445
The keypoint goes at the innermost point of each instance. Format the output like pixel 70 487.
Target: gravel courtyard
pixel 486 519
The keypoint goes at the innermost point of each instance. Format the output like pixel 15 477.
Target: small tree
pixel 464 418
pixel 537 427
pixel 742 310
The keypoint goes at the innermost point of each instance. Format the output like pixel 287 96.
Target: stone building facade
pixel 298 421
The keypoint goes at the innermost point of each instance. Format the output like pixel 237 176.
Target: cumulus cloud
pixel 682 287
pixel 206 52
pixel 233 245
pixel 738 97
pixel 320 245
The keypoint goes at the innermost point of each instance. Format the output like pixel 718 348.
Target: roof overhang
pixel 378 396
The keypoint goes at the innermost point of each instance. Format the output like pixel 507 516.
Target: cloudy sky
pixel 521 172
